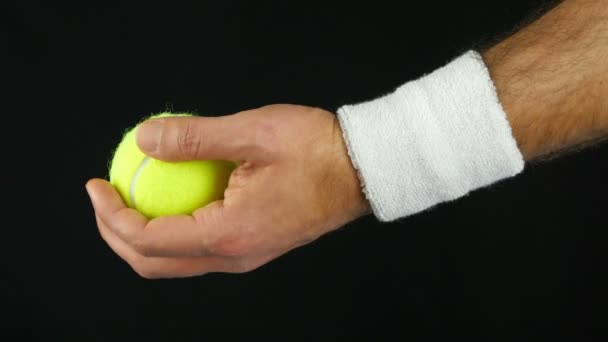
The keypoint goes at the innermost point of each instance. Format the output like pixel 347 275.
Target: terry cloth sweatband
pixel 432 140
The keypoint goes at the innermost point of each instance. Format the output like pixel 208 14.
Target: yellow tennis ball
pixel 157 188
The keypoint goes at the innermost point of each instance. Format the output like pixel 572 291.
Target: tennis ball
pixel 157 188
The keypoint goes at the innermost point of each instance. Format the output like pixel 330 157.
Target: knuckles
pixel 188 141
pixel 143 268
pixel 142 246
pixel 232 247
pixel 266 137
pixel 146 273
pixel 237 240
pixel 241 265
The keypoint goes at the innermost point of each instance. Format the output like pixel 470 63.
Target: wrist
pixel 432 140
pixel 357 205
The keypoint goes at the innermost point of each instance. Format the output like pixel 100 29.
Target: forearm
pixel 551 78
pixel 476 120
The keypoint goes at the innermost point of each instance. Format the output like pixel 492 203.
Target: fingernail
pixel 149 134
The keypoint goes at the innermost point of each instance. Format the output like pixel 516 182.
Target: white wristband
pixel 432 140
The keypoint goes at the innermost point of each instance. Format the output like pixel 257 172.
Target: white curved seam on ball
pixel 134 180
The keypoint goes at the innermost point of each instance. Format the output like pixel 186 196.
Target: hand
pixel 294 182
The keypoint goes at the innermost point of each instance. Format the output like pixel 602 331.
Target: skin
pixel 551 78
pixel 293 184
pixel 295 181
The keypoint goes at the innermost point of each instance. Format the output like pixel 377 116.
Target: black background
pixel 521 260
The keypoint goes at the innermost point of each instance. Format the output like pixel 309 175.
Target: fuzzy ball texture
pixel 157 188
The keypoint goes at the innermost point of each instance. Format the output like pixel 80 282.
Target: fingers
pixel 154 266
pixel 227 137
pixel 158 267
pixel 169 236
pixel 108 203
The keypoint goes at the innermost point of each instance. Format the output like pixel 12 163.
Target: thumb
pixel 183 138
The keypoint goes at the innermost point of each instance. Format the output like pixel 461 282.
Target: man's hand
pixel 294 183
